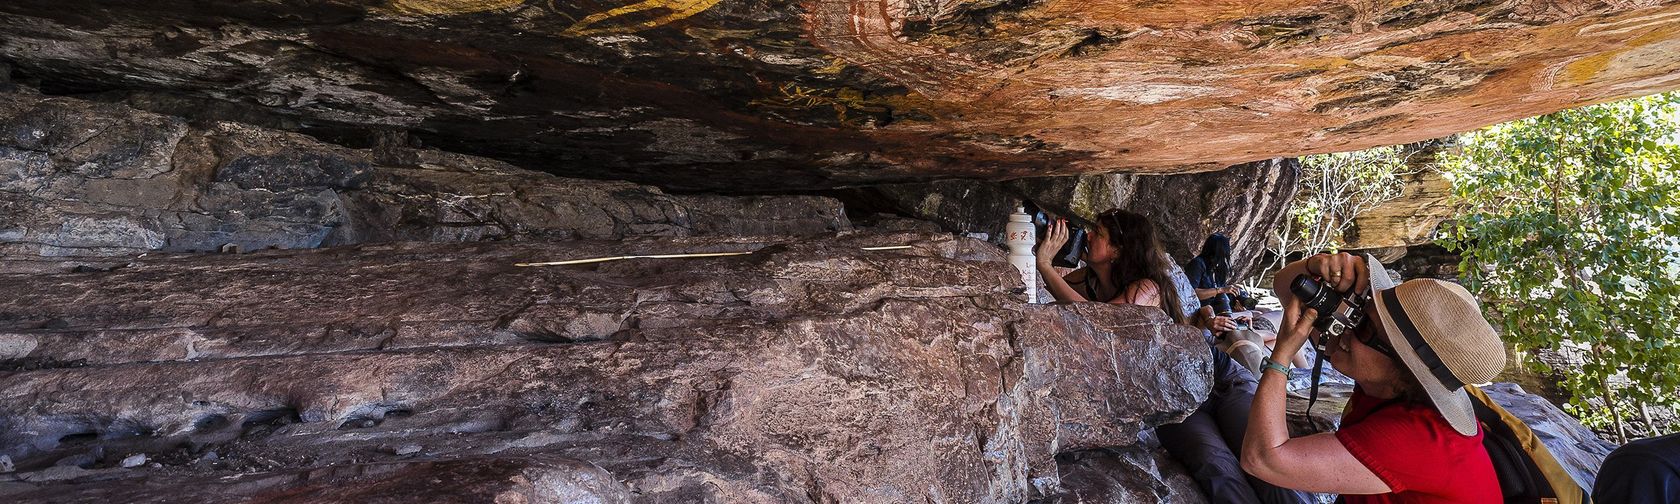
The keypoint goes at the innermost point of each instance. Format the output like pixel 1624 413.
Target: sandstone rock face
pixel 1245 201
pixel 1410 218
pixel 738 96
pixel 810 370
pixel 80 178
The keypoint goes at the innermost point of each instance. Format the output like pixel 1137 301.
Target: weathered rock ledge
pixel 808 371
pixel 81 178
pixel 801 95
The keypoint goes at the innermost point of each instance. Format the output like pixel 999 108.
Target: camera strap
pixel 1318 369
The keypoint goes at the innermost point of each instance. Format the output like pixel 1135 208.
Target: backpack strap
pixel 1563 485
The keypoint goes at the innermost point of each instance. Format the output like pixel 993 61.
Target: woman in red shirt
pixel 1410 435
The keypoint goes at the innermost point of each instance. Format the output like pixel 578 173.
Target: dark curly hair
pixel 1139 256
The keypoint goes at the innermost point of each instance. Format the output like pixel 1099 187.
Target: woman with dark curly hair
pixel 1125 264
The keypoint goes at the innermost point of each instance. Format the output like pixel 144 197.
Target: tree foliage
pixel 1569 228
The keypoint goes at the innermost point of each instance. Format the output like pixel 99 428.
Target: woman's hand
pixel 1223 324
pixel 1056 235
pixel 1343 271
pixel 1297 326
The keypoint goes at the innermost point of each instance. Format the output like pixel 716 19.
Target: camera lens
pixel 1314 295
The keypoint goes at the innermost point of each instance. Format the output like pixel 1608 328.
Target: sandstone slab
pixel 810 370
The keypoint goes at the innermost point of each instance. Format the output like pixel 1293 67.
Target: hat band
pixel 1425 353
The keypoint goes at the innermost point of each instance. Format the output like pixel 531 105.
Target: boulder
pixel 808 370
pixel 81 178
pixel 1140 474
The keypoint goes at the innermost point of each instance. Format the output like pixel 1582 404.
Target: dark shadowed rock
pixel 1247 202
pixel 807 371
pixel 1137 474
pixel 80 178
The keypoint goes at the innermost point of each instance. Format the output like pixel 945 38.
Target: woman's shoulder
pixel 1399 418
pixel 1142 291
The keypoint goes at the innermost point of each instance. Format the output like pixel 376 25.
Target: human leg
pixel 1229 404
pixel 1196 443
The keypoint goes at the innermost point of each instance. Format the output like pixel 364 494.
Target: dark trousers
pixel 1209 442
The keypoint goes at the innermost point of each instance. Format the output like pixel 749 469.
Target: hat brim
pixel 1380 281
pixel 1454 405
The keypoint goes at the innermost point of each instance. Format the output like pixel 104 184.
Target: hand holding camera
pixel 1335 287
pixel 1057 245
pixel 1051 240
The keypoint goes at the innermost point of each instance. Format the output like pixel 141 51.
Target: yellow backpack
pixel 1528 473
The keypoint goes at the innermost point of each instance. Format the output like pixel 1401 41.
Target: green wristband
pixel 1273 366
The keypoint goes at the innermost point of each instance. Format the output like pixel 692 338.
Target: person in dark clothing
pixel 1647 470
pixel 1210 273
pixel 1127 265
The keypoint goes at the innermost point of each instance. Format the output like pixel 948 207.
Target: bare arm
pixel 1057 234
pixel 1316 463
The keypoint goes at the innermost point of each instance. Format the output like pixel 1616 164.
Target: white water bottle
pixel 1021 236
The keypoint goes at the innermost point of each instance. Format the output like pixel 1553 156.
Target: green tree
pixel 1569 228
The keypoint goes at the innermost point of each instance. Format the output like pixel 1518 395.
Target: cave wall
pixel 1247 202
pixel 83 178
pixel 187 303
pixel 799 95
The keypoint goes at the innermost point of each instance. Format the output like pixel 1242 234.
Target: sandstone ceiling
pixel 783 94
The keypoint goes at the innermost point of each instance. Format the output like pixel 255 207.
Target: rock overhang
pixel 710 95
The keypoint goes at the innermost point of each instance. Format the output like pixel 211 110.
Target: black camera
pixel 1068 255
pixel 1337 312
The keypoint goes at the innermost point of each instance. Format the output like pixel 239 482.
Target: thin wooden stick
pixel 620 258
pixel 594 260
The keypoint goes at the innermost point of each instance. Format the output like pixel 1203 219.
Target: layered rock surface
pixel 80 178
pixel 807 371
pixel 802 95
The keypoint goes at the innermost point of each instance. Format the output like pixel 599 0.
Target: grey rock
pixel 135 460
pixel 408 449
pixel 81 460
pixel 1575 447
pixel 151 182
pixel 6 464
pixel 55 473
pixel 810 367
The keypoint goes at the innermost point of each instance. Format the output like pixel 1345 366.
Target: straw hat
pixel 1438 330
